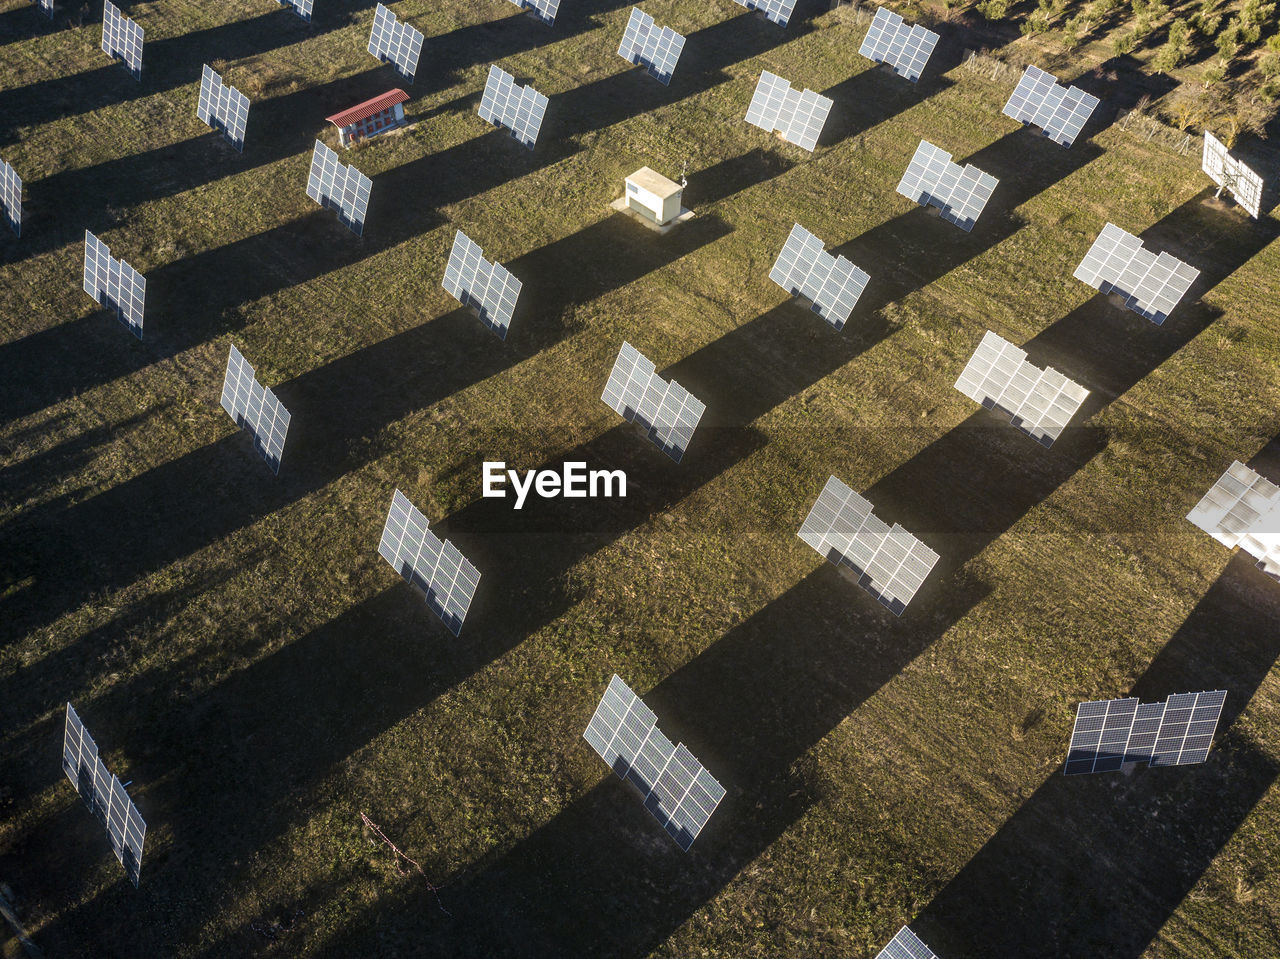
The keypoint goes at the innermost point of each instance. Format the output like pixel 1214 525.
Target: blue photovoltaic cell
pixel 1110 733
pixel 1061 112
pixel 394 42
pixel 906 945
pixel 831 283
pixel 656 49
pixel 544 10
pixel 518 108
pixel 114 283
pixel 1151 285
pixel 905 48
pixel 11 197
pixel 255 408
pixel 798 116
pixel 960 192
pixel 222 107
pixel 433 565
pixel 489 288
pixel 778 11
pixel 301 7
pixel 338 187
pixel 667 410
pixel 122 38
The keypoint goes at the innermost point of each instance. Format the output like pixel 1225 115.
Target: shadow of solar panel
pixel 544 10
pixel 656 49
pixel 1110 733
pixel 831 283
pixel 777 11
pixel 960 192
pixel 798 116
pixel 301 7
pixel 103 794
pixel 394 42
pixel 255 408
pixel 1243 509
pixel 1060 112
pixel 667 411
pixel 114 283
pixel 434 566
pixel 1232 175
pixel 11 197
pixel 338 187
pixel 678 791
pixel 1150 285
pixel 904 48
pixel 122 38
pixel 486 287
pixel 508 104
pixel 222 107
pixel 906 945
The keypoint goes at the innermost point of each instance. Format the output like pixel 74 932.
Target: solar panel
pixel 1243 509
pixel 103 794
pixel 905 48
pixel 338 187
pixel 797 116
pixel 779 11
pixel 222 107
pixel 544 10
pixel 891 563
pixel 486 287
pixel 906 944
pixel 255 408
pixel 655 48
pixel 1039 402
pixel 394 42
pixel 122 38
pixel 11 196
pixel 1150 285
pixel 1110 733
pixel 114 283
pixel 832 283
pixel 1061 112
pixel 678 791
pixel 667 410
pixel 301 7
pixel 960 192
pixel 46 7
pixel 425 561
pixel 1232 175
pixel 518 108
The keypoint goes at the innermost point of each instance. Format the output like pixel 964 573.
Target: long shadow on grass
pixel 1095 865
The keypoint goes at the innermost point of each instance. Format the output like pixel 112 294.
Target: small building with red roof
pixel 384 112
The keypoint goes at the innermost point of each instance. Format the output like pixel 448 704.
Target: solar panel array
pixel 114 283
pixel 797 116
pixel 487 287
pixel 338 187
pixel 678 791
pixel 518 108
pixel 779 11
pixel 1232 175
pixel 655 48
pixel 103 794
pixel 1040 402
pixel 906 945
pixel 667 410
pixel 301 7
pixel 432 565
pixel 122 38
pixel 397 43
pixel 891 563
pixel 11 196
pixel 832 283
pixel 905 48
pixel 223 107
pixel 1061 112
pixel 1150 285
pixel 1243 509
pixel 544 10
pixel 960 192
pixel 1110 733
pixel 255 408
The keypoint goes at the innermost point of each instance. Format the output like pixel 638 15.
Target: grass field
pixel 244 657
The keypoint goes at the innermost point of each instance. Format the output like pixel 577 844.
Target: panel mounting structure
pixel 394 42
pixel 11 196
pixel 667 410
pixel 777 11
pixel 508 104
pixel 906 944
pixel 1111 732
pixel 301 7
pixel 831 283
pixel 487 287
pixel 678 791
pixel 114 283
pixel 891 564
pixel 544 10
pixel 255 408
pixel 430 564
pixel 798 116
pixel 1039 402
pixel 103 794
pixel 122 38
pixel 904 48
pixel 339 187
pixel 1232 175
pixel 1061 112
pixel 223 107
pixel 1243 509
pixel 960 192
pixel 1151 285
pixel 655 48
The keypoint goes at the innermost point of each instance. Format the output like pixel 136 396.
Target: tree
pixel 1189 106
pixel 1245 112
pixel 1176 48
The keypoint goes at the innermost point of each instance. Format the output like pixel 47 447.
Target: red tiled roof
pixel 362 111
